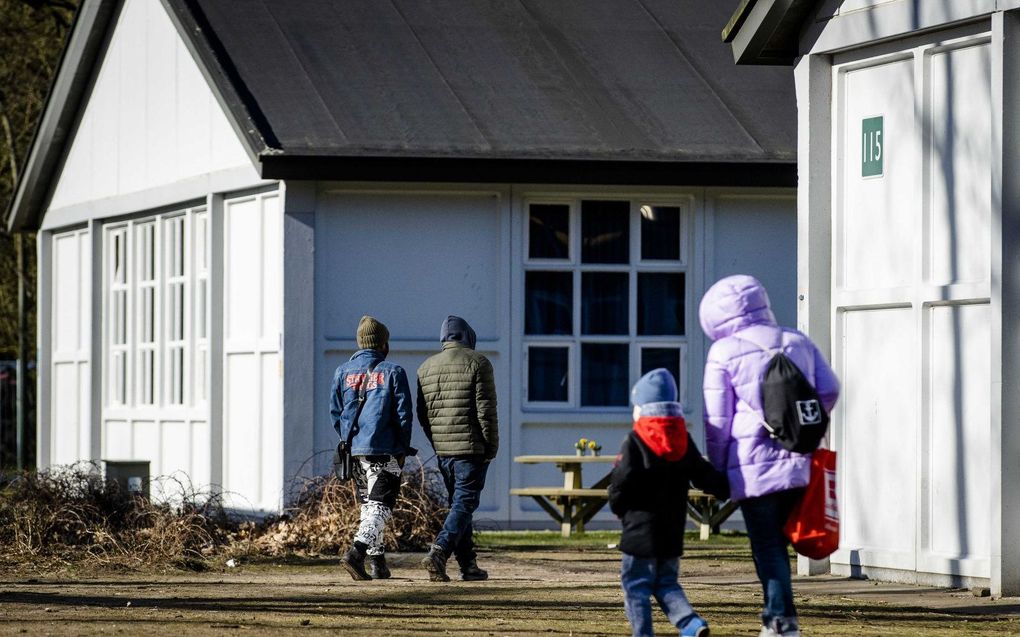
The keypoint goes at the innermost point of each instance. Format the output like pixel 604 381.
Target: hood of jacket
pixel 663 430
pixel 732 304
pixel 456 330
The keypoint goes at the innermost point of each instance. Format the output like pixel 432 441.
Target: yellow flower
pixel 592 444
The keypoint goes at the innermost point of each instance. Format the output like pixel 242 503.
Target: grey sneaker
pixel 353 562
pixel 377 567
pixel 471 573
pixel 435 563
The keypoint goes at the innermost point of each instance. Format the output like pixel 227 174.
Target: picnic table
pixel 573 505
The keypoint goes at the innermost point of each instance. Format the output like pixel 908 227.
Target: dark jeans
pixel 465 478
pixel 764 518
pixel 646 577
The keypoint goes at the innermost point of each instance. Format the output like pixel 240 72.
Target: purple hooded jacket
pixel 735 313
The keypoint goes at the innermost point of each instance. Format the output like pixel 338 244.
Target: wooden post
pixel 571 480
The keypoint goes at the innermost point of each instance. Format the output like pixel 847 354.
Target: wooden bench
pixel 575 507
pixel 708 512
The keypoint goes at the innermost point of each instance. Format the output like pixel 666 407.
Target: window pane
pixel 605 231
pixel 148 374
pixel 660 303
pixel 604 302
pixel 119 379
pixel 604 379
pixel 177 376
pixel 656 357
pixel 119 271
pixel 200 317
pixel 120 317
pixel 549 231
pixel 548 301
pixel 660 232
pixel 547 374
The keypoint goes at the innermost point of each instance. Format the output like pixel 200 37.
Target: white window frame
pixel 193 269
pixel 177 270
pixel 147 393
pixel 637 264
pixel 118 324
pixel 200 316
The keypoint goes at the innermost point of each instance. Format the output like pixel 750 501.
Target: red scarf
pixel 666 436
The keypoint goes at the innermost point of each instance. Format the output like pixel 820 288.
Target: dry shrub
pixel 326 513
pixel 70 514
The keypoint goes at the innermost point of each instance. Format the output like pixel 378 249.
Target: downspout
pixel 22 367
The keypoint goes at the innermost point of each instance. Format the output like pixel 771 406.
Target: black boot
pixel 354 562
pixel 469 572
pixel 377 567
pixel 435 563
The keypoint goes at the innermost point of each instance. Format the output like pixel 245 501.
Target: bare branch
pixel 9 137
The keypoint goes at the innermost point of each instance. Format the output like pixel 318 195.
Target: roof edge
pixel 764 32
pixel 72 82
pixel 536 171
pixel 737 20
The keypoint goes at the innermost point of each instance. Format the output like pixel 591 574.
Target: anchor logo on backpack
pixel 793 414
pixel 809 412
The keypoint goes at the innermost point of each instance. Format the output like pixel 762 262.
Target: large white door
pixel 252 372
pixel 69 400
pixel 911 307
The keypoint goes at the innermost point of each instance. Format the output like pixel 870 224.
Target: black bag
pixel 343 461
pixel 794 415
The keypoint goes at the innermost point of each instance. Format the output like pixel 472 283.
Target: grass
pixel 548 540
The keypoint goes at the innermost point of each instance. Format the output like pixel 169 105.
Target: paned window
pixel 156 336
pixel 117 320
pixel 201 355
pixel 605 293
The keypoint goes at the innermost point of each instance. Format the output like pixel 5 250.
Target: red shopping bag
pixel 813 525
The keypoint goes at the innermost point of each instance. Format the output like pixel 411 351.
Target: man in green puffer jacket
pixel 457 412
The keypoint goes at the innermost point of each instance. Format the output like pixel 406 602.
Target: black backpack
pixel 794 415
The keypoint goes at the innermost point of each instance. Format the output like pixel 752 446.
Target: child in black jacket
pixel 648 492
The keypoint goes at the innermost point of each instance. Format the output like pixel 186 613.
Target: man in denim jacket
pixel 380 441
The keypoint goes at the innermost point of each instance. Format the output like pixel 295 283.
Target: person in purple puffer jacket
pixel 766 479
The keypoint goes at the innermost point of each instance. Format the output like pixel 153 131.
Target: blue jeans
pixel 465 478
pixel 646 577
pixel 764 518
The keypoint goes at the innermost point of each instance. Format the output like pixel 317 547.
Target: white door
pixel 911 307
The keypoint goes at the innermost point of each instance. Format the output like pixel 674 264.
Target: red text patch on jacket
pixel 376 380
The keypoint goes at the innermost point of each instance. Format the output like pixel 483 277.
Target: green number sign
pixel 872 147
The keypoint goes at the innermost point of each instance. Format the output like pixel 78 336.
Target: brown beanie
pixel 372 334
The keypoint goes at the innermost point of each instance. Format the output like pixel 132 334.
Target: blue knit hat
pixel 657 386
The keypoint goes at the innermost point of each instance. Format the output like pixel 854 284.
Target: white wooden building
pixel 908 248
pixel 222 189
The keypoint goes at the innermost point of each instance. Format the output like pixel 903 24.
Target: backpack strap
pixel 362 396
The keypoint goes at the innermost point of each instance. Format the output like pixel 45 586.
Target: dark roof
pixel 767 32
pixel 643 80
pixel 564 91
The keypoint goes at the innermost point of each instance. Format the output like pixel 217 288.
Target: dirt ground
pixel 531 591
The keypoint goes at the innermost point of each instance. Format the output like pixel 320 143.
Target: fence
pixel 8 415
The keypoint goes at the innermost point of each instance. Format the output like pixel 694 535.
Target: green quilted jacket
pixel 457 402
